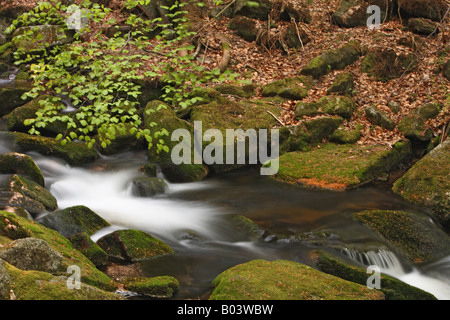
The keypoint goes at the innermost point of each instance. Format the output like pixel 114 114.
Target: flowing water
pixel 194 219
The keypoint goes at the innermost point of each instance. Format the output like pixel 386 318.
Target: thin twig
pixel 275 117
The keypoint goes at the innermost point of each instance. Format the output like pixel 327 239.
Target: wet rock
pixel 426 183
pixel 416 237
pixel 31 254
pixel 148 186
pixel 73 220
pixel 132 245
pixel 21 164
pixel 332 60
pixel 393 289
pixel 379 118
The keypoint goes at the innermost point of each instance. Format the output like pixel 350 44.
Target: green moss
pixel 414 127
pixel 290 88
pixel 294 138
pixel 11 98
pixel 426 183
pixel 285 280
pixel 158 287
pixel 322 128
pixel 75 153
pixel 133 245
pixel 392 288
pixel 339 167
pixel 34 191
pixel 243 91
pixel 343 84
pixel 415 236
pixel 343 136
pixel 83 243
pixel 21 164
pixel 89 273
pixel 37 285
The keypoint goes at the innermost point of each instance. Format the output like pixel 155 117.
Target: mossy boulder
pixel 132 245
pixel 295 37
pixel 337 105
pixel 31 254
pixel 343 84
pixel 244 27
pixel 322 127
pixel 243 91
pixel 285 280
pixel 17 117
pixel 353 13
pixel 124 141
pixel 73 220
pixel 415 128
pixel 385 64
pixel 148 186
pixel 340 167
pixel 417 238
pixel 246 226
pixel 22 227
pixel 164 118
pixel 259 9
pixel 332 60
pixel 426 183
pixel 38 285
pixel 431 9
pixel 83 243
pixel 392 288
pixel 5 282
pixel 33 191
pixel 43 35
pixel 343 135
pixel 75 153
pixel 22 164
pixel 294 138
pixel 422 26
pixel 379 118
pixel 156 287
pixel 11 98
pixel 290 88
pixel 428 111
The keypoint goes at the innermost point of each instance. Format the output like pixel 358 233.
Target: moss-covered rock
pixel 332 60
pixel 343 136
pixel 295 37
pixel 340 167
pixel 422 26
pixel 416 237
pixel 148 186
pixel 246 226
pixel 428 111
pixel 337 105
pixel 343 84
pixel 22 227
pixel 426 183
pixel 132 245
pixel 294 138
pixel 33 191
pixel 385 64
pixel 44 36
pixel 5 282
pixel 285 280
pixel 164 118
pixel 11 98
pixel 243 91
pixel 353 13
pixel 415 128
pixel 322 127
pixel 73 220
pixel 38 285
pixel 21 164
pixel 259 9
pixel 290 88
pixel 75 153
pixel 244 27
pixel 156 287
pixel 83 243
pixel 379 118
pixel 392 288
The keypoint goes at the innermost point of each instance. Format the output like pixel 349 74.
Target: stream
pixel 193 218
